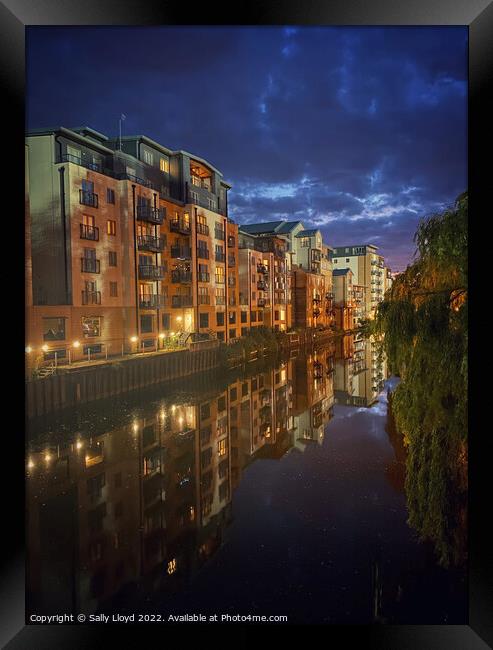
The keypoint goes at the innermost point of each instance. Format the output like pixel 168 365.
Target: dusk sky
pixel 357 131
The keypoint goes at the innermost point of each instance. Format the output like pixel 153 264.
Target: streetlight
pixel 75 344
pixel 29 349
pixel 133 339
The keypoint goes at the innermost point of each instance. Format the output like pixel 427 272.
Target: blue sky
pixel 359 131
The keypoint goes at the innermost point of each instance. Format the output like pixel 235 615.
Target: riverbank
pixel 85 382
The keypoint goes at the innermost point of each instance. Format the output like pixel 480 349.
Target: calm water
pixel 269 490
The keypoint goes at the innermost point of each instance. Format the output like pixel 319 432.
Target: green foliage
pixel 423 328
pixel 259 338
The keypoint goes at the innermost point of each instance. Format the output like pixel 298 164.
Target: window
pixel 305 242
pixel 91 326
pixel 166 321
pixel 244 331
pixel 233 394
pixel 253 316
pixel 148 157
pixel 220 336
pixel 203 320
pixel 110 195
pixel 87 186
pixel 232 317
pixel 222 447
pixel 113 289
pixel 205 411
pixel 232 334
pixel 73 154
pixel 347 259
pixel 146 323
pixel 164 165
pixel 220 318
pixel 112 258
pixel 111 227
pixel 53 329
pixel 243 317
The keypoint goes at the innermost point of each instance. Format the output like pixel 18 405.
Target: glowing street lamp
pixel 29 349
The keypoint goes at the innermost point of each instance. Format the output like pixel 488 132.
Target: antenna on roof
pixel 122 119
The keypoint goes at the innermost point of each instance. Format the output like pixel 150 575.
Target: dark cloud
pixel 360 131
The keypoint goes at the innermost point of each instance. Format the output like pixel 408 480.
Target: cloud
pixel 360 131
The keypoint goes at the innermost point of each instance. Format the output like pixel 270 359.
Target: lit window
pixel 111 227
pixel 164 165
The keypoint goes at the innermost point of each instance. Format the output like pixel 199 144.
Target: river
pixel 271 490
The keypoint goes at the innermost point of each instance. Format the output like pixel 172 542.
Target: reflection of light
pixel 30 463
pixel 179 319
pixel 78 444
pixel 161 336
pixel 163 414
pixel 29 349
pixel 47 457
pixel 180 420
pixel 171 566
pixel 76 344
pixel 135 427
pixel 44 348
pixel 173 408
pixel 171 333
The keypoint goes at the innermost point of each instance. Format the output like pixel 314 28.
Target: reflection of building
pixel 148 502
pixel 360 371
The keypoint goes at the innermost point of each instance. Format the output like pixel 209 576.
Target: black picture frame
pixel 15 15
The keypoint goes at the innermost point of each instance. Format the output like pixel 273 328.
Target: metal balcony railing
pixel 262 285
pixel 89 232
pixel 151 243
pixel 231 241
pixel 178 276
pixel 202 229
pixel 180 225
pixel 88 198
pixel 181 252
pixel 151 271
pixel 91 297
pixel 151 214
pixel 219 234
pixel 202 253
pixel 262 268
pixel 231 260
pixel 220 257
pixel 204 276
pixel 181 301
pixel 151 301
pixel 89 265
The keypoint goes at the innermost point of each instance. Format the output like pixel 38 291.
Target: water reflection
pixel 128 507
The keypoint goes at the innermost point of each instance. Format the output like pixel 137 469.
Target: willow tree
pixel 422 323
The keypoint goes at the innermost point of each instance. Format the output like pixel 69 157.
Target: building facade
pixel 130 245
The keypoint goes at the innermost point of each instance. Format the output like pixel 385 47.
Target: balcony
pixel 180 225
pixel 202 229
pixel 89 265
pixel 204 276
pixel 232 301
pixel 231 241
pixel 262 268
pixel 202 253
pixel 262 302
pixel 329 296
pixel 151 243
pixel 231 281
pixel 219 234
pixel 91 297
pixel 220 257
pixel 220 279
pixel 151 272
pixel 231 260
pixel 88 198
pixel 181 301
pixel 317 299
pixel 220 300
pixel 150 214
pixel 151 301
pixel 204 299
pixel 88 164
pixel 89 232
pixel 181 252
pixel 178 276
pixel 262 285
pixel 316 313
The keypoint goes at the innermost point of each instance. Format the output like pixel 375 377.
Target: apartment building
pixel 308 270
pixel 367 267
pixel 129 245
pixel 344 298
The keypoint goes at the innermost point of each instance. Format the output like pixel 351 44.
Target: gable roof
pixel 341 271
pixel 307 233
